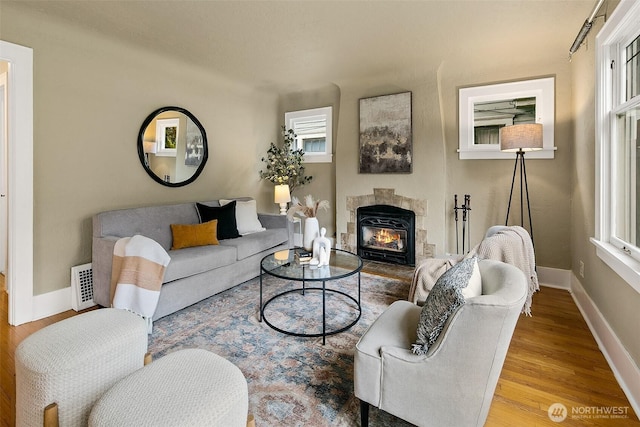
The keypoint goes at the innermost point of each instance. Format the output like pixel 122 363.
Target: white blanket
pixel 137 275
pixel 512 245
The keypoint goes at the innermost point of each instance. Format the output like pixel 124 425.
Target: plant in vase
pixel 308 210
pixel 284 164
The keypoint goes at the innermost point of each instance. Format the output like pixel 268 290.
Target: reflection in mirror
pixel 172 146
pixel 489 117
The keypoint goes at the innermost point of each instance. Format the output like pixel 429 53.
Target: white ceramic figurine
pixel 322 248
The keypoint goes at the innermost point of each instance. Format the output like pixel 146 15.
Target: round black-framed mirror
pixel 172 146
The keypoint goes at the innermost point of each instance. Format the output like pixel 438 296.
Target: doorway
pixel 19 183
pixel 4 69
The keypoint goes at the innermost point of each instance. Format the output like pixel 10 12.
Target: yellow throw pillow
pixel 189 235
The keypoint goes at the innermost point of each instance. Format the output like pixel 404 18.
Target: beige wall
pixel 488 181
pixel 323 185
pixel 614 298
pixel 91 95
pixel 438 174
pixel 427 181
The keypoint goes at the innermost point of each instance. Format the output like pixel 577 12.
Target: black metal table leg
pixel 260 308
pixel 359 302
pixel 324 317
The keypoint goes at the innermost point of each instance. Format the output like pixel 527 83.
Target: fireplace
pixel 386 233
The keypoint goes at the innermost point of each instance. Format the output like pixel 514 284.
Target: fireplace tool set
pixel 466 224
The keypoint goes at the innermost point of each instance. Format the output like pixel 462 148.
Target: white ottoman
pixel 191 387
pixel 73 362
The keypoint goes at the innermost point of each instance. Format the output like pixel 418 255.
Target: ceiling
pixel 297 44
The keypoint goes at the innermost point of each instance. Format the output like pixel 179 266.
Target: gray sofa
pixel 195 273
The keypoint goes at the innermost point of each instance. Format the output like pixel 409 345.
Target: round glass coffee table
pixel 308 280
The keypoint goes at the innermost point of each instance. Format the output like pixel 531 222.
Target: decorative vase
pixel 311 231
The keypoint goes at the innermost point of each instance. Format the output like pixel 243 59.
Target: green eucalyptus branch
pixel 283 164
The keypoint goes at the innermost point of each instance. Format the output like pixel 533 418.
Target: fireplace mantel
pixel 388 196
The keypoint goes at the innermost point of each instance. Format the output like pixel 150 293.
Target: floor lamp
pixel 520 139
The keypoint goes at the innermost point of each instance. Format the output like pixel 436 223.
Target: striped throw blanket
pixel 137 274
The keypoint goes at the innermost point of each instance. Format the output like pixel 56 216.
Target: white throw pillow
pixel 246 216
pixel 474 287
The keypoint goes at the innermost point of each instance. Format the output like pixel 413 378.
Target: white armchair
pixel 453 384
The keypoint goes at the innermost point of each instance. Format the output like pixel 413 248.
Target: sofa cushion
pixel 191 261
pixel 443 300
pixel 190 235
pixel 246 216
pixel 226 216
pixel 255 243
pixel 152 222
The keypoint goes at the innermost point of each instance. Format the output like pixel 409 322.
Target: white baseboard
pixel 45 305
pixel 624 368
pixel 554 277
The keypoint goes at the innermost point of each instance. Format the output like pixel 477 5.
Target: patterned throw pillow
pixel 443 300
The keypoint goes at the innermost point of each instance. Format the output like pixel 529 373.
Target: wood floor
pixel 553 358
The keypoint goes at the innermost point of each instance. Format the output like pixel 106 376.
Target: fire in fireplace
pixel 386 233
pixel 384 238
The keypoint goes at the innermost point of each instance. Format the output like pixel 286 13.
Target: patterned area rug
pixel 293 381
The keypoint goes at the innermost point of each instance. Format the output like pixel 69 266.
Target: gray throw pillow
pixel 443 300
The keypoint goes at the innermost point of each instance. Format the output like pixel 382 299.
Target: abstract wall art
pixel 385 134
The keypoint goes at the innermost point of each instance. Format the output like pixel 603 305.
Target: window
pixel 617 234
pixel 483 110
pixel 314 131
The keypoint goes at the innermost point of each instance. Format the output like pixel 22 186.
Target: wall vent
pixel 82 287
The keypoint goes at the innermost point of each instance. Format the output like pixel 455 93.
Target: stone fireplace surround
pixel 387 196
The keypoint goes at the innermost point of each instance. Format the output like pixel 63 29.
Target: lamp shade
pixel 282 194
pixel 525 137
pixel 150 147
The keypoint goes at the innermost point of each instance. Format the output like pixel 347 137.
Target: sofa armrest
pixel 101 264
pixel 401 354
pixel 273 220
pixel 277 221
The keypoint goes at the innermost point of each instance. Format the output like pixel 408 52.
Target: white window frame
pixel 326 113
pixel 543 90
pixel 620 30
pixel 161 134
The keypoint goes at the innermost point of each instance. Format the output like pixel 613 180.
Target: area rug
pixel 293 381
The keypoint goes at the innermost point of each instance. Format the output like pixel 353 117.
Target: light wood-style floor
pixel 553 358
